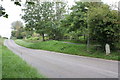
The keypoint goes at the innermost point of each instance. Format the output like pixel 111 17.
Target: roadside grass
pixel 1 41
pixel 74 41
pixel 67 48
pixel 15 67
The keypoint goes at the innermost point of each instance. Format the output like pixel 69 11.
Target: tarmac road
pixel 59 65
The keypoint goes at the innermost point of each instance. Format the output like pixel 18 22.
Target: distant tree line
pixel 3 37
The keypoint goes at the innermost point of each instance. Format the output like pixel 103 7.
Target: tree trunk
pixel 43 37
pixel 84 37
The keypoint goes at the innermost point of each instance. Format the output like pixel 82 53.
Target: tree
pixel 103 28
pixel 55 31
pixel 76 23
pixel 98 21
pixel 16 25
pixel 44 18
pixel 38 16
pixel 18 30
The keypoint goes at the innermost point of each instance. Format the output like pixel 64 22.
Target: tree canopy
pixel 44 17
pixel 96 22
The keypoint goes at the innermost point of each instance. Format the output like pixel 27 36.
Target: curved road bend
pixel 59 65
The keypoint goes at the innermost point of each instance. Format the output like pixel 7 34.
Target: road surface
pixel 59 65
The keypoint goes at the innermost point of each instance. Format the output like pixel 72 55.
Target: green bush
pixel 29 36
pixel 33 38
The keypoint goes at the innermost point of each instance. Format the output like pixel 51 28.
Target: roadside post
pixel 107 48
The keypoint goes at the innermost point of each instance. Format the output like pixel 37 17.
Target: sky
pixel 14 15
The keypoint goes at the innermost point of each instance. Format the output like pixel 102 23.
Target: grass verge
pixel 1 41
pixel 15 67
pixel 73 49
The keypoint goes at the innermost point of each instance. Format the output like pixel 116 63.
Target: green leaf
pixel 17 3
pixel 31 3
pixel 3 13
pixel 6 15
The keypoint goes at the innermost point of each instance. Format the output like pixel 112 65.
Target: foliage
pixel 44 18
pixel 33 38
pixel 95 20
pixel 17 3
pixel 102 25
pixel 18 30
pixel 75 23
pixel 3 13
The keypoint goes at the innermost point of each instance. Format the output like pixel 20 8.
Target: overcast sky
pixel 14 15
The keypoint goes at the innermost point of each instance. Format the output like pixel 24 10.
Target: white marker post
pixel 107 48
